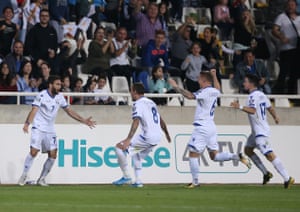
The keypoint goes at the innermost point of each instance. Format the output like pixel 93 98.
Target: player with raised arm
pixel 204 134
pixel 257 106
pixel 43 136
pixel 144 113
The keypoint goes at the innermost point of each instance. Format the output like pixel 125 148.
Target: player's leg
pixel 196 146
pixel 123 163
pixel 215 155
pixel 49 145
pixel 138 150
pixel 264 146
pixel 249 151
pixel 35 146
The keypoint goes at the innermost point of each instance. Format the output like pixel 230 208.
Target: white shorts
pixel 139 146
pixel 203 137
pixel 261 142
pixel 43 141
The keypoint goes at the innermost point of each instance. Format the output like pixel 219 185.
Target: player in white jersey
pixel 43 136
pixel 204 135
pixel 145 113
pixel 257 106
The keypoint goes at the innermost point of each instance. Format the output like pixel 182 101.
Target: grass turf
pixel 154 198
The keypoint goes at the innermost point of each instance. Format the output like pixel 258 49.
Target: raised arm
pixel 215 79
pixel 165 129
pixel 89 122
pixel 184 92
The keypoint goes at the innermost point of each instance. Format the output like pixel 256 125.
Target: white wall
pixel 93 159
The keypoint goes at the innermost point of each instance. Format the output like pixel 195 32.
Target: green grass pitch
pixel 154 198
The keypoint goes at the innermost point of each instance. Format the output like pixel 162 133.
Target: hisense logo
pixel 80 154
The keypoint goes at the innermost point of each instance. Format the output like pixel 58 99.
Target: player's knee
pixel 270 156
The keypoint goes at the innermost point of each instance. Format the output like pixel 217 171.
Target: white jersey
pixel 206 103
pixel 258 121
pixel 146 110
pixel 48 107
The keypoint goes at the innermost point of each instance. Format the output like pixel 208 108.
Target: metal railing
pixel 282 99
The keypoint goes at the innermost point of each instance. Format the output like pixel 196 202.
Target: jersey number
pixel 212 110
pixel 155 116
pixel 263 110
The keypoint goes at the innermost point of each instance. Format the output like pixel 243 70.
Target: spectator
pixel 193 66
pixel 8 31
pixel 99 53
pixel 15 58
pixel 127 17
pixel 163 16
pixel 181 44
pixel 59 16
pixel 71 54
pixel 103 100
pixel 209 49
pixel 66 83
pixel 32 13
pixel 156 53
pixel 176 9
pixel 77 100
pixel 124 49
pixel 19 6
pixel 45 74
pixel 90 88
pixel 222 19
pixel 238 6
pixel 146 24
pixel 26 82
pixel 41 40
pixel 251 65
pixel 99 11
pixel 158 84
pixel 8 82
pixel 112 10
pixel 3 4
pixel 286 29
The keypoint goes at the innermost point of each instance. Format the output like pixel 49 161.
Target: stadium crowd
pixel 147 41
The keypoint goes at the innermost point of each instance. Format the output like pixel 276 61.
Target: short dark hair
pixel 138 88
pixel 7 8
pixel 207 75
pixel 252 79
pixel 52 78
pixel 160 32
pixel 44 10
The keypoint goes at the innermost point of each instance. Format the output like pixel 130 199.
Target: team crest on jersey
pixel 133 108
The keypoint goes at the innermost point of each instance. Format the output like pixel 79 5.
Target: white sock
pixel 280 169
pixel 28 163
pixel 137 162
pixel 256 160
pixel 225 156
pixel 47 167
pixel 122 160
pixel 194 167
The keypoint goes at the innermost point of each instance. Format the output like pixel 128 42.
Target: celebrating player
pixel 204 134
pixel 256 107
pixel 144 112
pixel 43 136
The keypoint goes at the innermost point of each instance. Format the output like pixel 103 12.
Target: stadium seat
pixel 120 85
pixel 189 102
pixel 174 102
pixel 227 88
pixel 282 102
pixel 202 14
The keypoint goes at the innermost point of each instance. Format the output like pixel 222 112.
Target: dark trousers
pixel 191 85
pixel 289 67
